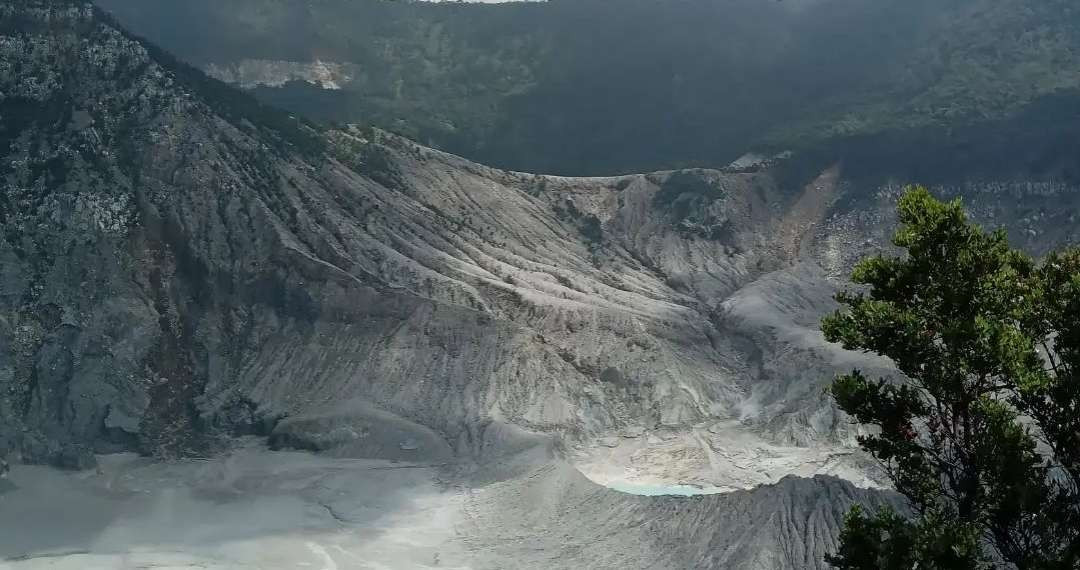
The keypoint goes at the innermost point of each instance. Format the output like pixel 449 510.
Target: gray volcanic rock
pixel 173 271
pixel 180 264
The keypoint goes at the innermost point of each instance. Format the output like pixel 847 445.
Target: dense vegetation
pixel 983 434
pixel 601 86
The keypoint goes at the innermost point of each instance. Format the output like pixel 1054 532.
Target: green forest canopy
pixel 605 86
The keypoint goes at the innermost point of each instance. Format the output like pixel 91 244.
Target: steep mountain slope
pixel 181 262
pixel 175 271
pixel 171 269
pixel 598 87
pixel 180 266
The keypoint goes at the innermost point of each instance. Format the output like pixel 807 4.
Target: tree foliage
pixel 982 433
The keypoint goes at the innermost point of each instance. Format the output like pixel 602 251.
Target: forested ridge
pixel 585 87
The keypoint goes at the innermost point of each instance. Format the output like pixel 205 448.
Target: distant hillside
pixel 606 86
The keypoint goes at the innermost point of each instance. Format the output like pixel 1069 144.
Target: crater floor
pixel 256 508
pixel 249 509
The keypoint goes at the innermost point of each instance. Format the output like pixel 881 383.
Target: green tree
pixel 981 433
